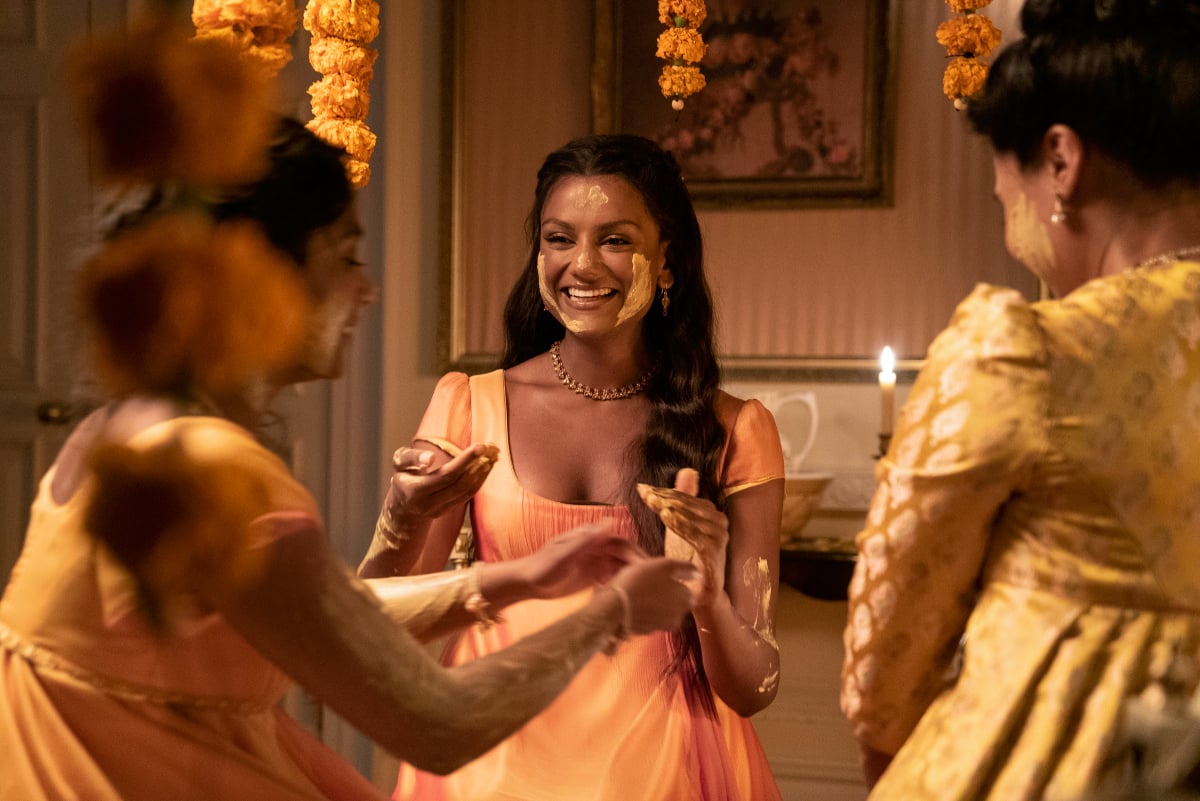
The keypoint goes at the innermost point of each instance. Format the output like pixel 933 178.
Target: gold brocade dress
pixel 98 707
pixel 622 730
pixel 1032 554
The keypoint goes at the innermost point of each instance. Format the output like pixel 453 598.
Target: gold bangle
pixel 478 605
pixel 625 626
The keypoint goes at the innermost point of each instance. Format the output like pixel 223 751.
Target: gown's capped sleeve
pixel 964 442
pixel 753 450
pixel 448 416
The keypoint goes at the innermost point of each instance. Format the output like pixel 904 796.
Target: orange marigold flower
pixel 692 12
pixel 340 95
pixel 355 20
pixel 681 43
pixel 959 6
pixel 678 81
pixel 194 513
pixel 160 107
pixel 177 303
pixel 353 136
pixel 329 54
pixel 964 77
pixel 970 34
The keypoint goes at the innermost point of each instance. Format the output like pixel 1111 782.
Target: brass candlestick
pixel 884 441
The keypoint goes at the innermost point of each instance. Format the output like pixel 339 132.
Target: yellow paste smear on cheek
pixel 641 290
pixel 1027 237
pixel 551 300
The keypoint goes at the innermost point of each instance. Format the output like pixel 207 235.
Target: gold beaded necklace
pixel 601 394
pixel 1171 256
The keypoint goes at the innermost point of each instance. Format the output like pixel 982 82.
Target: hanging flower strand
pixel 341 31
pixel 682 46
pixel 968 36
pixel 260 29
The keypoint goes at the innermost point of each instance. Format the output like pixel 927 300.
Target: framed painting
pixel 798 110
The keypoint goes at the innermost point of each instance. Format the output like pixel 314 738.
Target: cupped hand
pixel 418 489
pixel 697 531
pixel 657 593
pixel 580 558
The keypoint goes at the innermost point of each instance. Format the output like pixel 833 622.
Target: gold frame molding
pixel 872 188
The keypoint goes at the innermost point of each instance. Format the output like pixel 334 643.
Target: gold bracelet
pixel 478 605
pixel 625 627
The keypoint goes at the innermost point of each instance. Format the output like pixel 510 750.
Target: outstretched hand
pixel 420 490
pixel 657 593
pixel 582 557
pixel 696 531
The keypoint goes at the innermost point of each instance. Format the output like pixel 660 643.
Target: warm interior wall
pixel 832 282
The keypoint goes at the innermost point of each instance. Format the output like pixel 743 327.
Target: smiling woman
pixel 605 398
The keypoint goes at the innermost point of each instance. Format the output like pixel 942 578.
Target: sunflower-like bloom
pixel 684 44
pixel 178 304
pixel 259 28
pixel 159 106
pixel 959 6
pixel 174 512
pixel 691 12
pixel 678 81
pixel 968 35
pixel 964 77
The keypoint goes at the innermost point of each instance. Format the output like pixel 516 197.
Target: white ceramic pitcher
pixel 796 445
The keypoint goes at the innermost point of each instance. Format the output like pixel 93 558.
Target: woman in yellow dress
pixel 1024 618
pixel 175 578
pixel 607 408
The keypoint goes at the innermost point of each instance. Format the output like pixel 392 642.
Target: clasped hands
pixel 659 590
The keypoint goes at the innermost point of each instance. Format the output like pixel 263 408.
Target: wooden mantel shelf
pixel 819 567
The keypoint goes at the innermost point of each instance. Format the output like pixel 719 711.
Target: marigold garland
pixel 682 46
pixel 260 28
pixel 967 37
pixel 341 31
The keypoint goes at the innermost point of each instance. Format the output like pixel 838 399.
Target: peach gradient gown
pixel 621 731
pixel 1040 503
pixel 97 708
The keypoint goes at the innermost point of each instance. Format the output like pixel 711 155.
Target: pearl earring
pixel 1059 214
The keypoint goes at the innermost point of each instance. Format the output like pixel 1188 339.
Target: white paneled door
pixel 44 204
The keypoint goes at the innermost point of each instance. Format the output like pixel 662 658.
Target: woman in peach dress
pixel 607 409
pixel 176 579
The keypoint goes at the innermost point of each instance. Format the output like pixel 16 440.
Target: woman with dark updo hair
pixel 1024 618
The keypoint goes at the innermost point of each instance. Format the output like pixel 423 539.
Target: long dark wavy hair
pixel 1123 74
pixel 682 429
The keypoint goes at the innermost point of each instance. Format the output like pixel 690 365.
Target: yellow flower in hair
pixel 693 12
pixel 681 44
pixel 968 35
pixel 964 77
pixel 959 6
pixel 678 81
pixel 340 95
pixel 177 304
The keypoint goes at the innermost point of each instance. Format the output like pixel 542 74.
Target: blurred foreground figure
pixel 175 577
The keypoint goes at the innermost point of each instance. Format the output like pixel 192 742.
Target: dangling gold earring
pixel 666 300
pixel 1059 214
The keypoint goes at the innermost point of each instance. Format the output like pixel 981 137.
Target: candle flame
pixel 887 360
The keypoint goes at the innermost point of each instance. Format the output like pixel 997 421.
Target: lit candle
pixel 887 388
